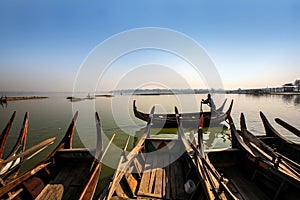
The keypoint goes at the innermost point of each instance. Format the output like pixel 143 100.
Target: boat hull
pixel 188 119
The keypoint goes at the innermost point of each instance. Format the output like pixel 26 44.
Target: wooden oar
pixel 209 166
pixel 202 158
pixel 207 182
pixel 134 152
pixel 200 135
pixel 105 191
pixel 288 127
pixel 28 151
pixel 5 133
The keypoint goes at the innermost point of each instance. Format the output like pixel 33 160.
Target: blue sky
pixel 252 43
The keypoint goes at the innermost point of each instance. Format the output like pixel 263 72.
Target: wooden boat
pixel 277 141
pixel 214 184
pixel 288 126
pixel 248 174
pixel 5 132
pixel 10 170
pixel 65 174
pixel 157 168
pixel 188 119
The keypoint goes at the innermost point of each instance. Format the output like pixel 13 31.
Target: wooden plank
pixel 153 175
pixel 146 176
pixel 132 182
pixel 71 178
pixel 158 182
pixel 138 167
pixel 72 193
pixel 173 179
pixel 244 186
pixel 63 177
pixel 52 191
pixel 165 160
pixel 179 180
pixel 168 178
pixel 120 192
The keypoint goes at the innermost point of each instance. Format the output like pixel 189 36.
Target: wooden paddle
pixel 28 151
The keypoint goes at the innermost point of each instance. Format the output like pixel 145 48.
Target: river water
pixel 51 117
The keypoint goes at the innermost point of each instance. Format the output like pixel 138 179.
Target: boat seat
pixel 160 181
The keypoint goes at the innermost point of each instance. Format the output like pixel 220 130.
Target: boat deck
pixel 242 182
pixel 67 179
pixel 242 186
pixel 70 179
pixel 162 182
pixel 159 180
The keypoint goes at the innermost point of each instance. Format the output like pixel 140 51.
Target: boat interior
pixel 247 178
pixel 61 177
pixel 160 171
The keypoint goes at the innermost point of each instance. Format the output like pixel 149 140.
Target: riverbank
pixel 285 93
pixel 23 98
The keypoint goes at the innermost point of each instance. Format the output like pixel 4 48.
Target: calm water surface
pixel 51 117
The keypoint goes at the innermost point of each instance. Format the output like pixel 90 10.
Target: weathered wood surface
pixel 69 181
pixel 284 165
pixel 51 191
pixel 65 174
pixel 162 179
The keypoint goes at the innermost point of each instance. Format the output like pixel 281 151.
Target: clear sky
pixel 252 43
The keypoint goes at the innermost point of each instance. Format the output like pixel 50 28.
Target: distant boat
pixel 188 119
pixel 90 97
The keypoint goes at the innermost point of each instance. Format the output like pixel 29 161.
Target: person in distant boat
pixel 3 101
pixel 210 102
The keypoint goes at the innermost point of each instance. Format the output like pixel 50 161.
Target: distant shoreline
pixel 24 98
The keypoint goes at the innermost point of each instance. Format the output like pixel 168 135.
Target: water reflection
pixel 291 99
pixel 287 98
pixel 297 100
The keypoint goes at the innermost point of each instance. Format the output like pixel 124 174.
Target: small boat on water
pixel 10 169
pixel 66 173
pixel 188 119
pixel 157 168
pixel 279 142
